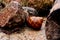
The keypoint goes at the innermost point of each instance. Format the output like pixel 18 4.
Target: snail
pixel 35 22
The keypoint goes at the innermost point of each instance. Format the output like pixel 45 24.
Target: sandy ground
pixel 26 34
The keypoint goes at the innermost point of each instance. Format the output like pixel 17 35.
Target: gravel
pixel 26 34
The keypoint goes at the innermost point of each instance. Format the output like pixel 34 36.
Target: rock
pixel 7 13
pixel 53 23
pixel 12 17
pixel 31 11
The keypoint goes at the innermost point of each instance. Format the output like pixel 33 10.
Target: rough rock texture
pixel 31 11
pixel 14 17
pixel 7 13
pixel 26 34
pixel 53 25
pixel 14 23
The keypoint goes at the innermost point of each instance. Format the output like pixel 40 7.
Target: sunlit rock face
pixel 53 23
pixel 7 13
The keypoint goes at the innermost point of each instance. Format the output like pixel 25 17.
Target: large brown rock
pixel 7 13
pixel 12 17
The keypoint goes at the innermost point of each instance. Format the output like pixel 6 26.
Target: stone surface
pixel 26 34
pixel 7 13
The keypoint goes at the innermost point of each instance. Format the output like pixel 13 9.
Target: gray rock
pixel 30 10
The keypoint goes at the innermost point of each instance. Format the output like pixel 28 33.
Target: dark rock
pixel 31 11
pixel 2 5
pixel 53 25
pixel 14 17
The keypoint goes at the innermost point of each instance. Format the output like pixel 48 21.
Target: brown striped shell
pixel 35 22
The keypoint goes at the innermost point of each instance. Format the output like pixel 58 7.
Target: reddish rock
pixel 8 12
